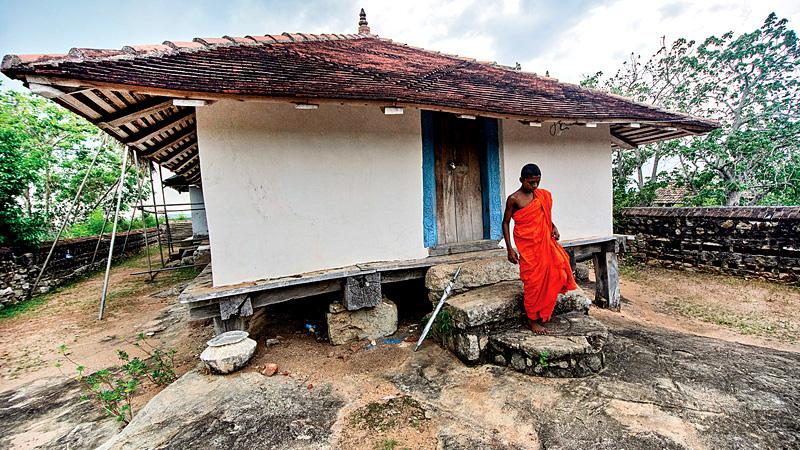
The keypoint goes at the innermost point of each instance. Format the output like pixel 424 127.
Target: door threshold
pixel 464 247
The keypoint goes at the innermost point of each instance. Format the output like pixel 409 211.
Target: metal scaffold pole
pixel 113 233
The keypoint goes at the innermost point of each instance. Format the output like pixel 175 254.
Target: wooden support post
pixel 234 314
pixel 606 274
pixel 572 262
pixel 363 291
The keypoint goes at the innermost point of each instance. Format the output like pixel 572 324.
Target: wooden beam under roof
pixel 171 158
pixel 169 142
pixel 188 162
pixel 160 127
pixel 620 142
pixel 136 111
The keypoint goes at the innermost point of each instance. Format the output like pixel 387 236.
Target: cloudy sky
pixel 568 38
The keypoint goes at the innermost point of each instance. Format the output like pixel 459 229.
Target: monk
pixel 543 264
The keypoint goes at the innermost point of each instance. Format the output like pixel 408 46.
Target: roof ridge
pixel 77 54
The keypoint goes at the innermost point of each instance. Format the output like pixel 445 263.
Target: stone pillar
pixel 199 223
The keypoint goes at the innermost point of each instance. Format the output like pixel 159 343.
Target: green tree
pixel 46 152
pixel 749 84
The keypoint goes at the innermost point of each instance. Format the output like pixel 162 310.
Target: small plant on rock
pixel 543 358
pixel 113 388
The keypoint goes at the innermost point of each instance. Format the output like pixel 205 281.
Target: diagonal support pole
pixel 113 232
pixel 66 221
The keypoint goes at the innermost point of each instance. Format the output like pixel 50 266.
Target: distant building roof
pixel 671 195
pixel 105 84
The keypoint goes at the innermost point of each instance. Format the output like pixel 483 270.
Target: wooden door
pixel 459 204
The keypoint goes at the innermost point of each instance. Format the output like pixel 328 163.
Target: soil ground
pixel 697 361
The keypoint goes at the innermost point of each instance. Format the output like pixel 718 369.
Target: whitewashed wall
pixel 576 168
pixel 290 191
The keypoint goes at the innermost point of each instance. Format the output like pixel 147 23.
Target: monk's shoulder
pixel 545 192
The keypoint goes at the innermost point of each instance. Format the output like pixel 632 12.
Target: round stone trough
pixel 228 352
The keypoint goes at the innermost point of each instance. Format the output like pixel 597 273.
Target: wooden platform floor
pixel 201 292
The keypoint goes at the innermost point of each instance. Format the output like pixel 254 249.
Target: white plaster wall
pixel 576 168
pixel 199 222
pixel 290 191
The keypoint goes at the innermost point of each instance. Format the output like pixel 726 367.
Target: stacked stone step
pixel 483 321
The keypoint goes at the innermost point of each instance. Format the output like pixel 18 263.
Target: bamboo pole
pixel 166 214
pixel 66 221
pixel 113 233
pixel 158 226
pixel 100 238
pixel 140 184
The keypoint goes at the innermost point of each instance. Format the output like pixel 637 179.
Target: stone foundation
pixel 367 323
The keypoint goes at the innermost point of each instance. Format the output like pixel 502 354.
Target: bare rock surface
pixel 661 390
pixel 245 410
pixel 47 414
pixel 367 323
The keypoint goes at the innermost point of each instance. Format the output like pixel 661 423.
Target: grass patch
pixel 744 324
pixel 23 307
pixel 632 270
pixel 386 444
pixel 397 412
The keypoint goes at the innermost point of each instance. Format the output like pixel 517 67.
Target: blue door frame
pixel 490 180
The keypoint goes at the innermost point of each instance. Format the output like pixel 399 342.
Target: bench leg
pixel 606 272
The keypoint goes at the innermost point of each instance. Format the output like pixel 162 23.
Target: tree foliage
pixel 45 151
pixel 749 84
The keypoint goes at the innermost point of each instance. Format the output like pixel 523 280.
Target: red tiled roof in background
pixel 343 67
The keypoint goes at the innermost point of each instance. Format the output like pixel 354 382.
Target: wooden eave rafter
pixel 162 132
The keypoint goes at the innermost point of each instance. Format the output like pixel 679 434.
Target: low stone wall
pixel 71 258
pixel 760 242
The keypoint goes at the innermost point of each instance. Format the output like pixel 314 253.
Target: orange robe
pixel 543 263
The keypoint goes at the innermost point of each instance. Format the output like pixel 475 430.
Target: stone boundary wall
pixel 759 242
pixel 71 258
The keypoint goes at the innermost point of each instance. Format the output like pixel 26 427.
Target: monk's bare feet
pixel 536 327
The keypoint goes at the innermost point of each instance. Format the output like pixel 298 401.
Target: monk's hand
pixel 513 257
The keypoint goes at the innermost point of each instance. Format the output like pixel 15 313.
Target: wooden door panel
pixel 459 204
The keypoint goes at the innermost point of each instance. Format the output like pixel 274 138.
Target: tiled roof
pixel 671 194
pixel 346 67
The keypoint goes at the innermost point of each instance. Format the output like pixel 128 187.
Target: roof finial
pixel 363 26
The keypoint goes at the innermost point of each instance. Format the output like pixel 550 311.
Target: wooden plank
pixel 468 195
pixel 161 127
pixel 168 142
pixel 78 106
pixel 463 247
pixel 178 152
pixel 99 101
pixel 181 168
pixel 621 142
pixel 137 111
pixel 201 289
pixel 445 183
pixel 116 101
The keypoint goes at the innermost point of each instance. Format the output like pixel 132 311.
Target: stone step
pixel 573 347
pixel 502 302
pixel 474 274
pixel 470 317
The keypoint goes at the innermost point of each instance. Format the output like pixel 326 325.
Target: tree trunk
pixel 733 198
